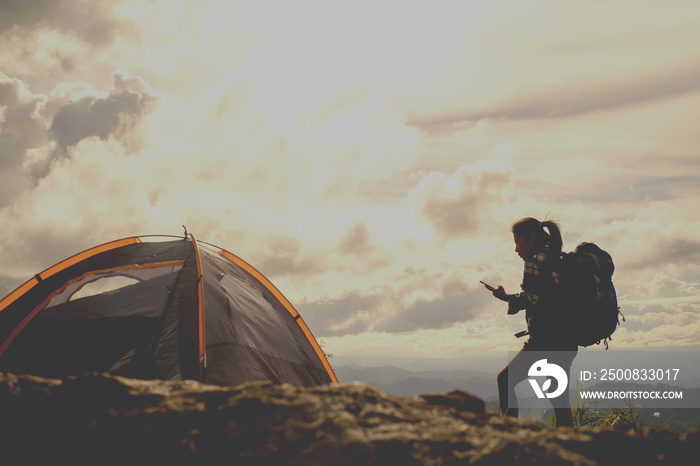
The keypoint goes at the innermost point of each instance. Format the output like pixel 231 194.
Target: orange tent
pixel 158 308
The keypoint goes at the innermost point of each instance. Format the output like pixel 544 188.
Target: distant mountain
pixel 403 382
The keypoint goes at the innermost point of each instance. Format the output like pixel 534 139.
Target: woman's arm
pixel 534 282
pixel 516 302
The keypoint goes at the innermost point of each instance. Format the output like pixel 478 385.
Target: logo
pixel 542 368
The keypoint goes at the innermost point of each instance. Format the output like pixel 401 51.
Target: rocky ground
pixel 99 419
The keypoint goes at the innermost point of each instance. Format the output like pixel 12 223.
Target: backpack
pixel 590 293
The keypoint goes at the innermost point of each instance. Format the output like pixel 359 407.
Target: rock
pixel 102 419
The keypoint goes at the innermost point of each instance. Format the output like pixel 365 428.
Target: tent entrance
pixel 102 321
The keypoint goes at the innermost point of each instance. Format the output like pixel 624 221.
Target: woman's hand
pixel 498 292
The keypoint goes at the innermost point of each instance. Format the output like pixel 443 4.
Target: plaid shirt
pixel 541 293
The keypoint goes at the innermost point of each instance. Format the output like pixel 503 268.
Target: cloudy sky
pixel 368 157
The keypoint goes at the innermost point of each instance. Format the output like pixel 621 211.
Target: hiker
pixel 539 245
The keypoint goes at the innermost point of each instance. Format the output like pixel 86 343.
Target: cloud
pixel 48 39
pixel 662 322
pixel 92 22
pixel 677 250
pixel 357 241
pixel 406 304
pixel 657 307
pixel 20 125
pixel 348 315
pixel 457 303
pixel 588 96
pixel 665 289
pixel 458 206
pixel 114 114
pixel 21 130
pixel 652 319
pixel 36 130
pixel 638 188
pixel 671 249
pixel 285 256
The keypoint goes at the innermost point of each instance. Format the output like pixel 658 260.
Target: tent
pixel 169 308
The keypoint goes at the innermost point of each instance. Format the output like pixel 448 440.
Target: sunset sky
pixel 368 157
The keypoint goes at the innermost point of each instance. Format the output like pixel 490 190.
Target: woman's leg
pixel 564 417
pixel 562 404
pixel 511 375
pixel 505 393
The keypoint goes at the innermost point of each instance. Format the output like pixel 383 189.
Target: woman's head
pixel 529 233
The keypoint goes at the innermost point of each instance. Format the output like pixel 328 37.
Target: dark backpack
pixel 587 279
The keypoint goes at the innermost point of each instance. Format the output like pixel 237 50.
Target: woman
pixel 539 245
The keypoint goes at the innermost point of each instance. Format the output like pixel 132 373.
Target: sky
pixel 368 157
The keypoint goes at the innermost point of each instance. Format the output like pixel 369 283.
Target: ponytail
pixel 555 241
pixel 551 237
